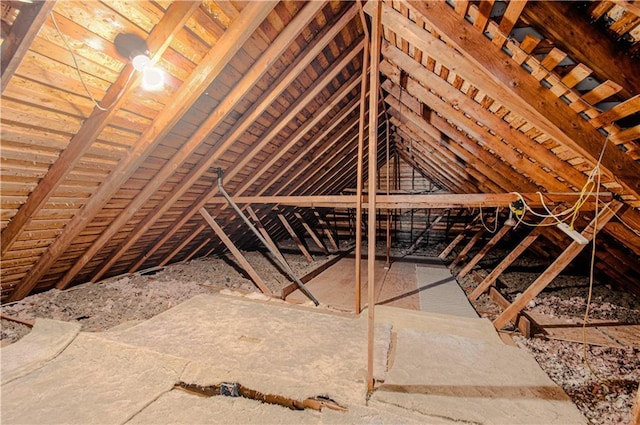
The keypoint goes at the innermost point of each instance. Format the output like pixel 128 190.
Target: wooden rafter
pixel 295 237
pixel 480 255
pixel 210 67
pixel 482 63
pixel 266 60
pixel 182 244
pixel 265 234
pixel 119 92
pixel 311 232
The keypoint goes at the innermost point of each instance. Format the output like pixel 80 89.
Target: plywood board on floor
pixel 440 293
pixel 335 286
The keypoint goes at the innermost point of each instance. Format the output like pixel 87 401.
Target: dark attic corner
pixel 320 212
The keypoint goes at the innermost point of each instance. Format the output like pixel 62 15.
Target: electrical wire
pixel 495 222
pixel 77 69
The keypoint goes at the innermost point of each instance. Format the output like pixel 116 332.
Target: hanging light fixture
pixel 133 47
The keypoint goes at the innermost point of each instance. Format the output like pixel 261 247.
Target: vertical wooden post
pixel 475 260
pixel 373 161
pixel 557 266
pixel 510 258
pixel 295 237
pixel 264 233
pixel 235 252
pixel 360 165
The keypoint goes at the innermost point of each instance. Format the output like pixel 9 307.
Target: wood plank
pixel 445 252
pixel 117 95
pixel 557 266
pixel 23 31
pixel 470 244
pixel 210 67
pixel 327 231
pixel 177 159
pixel 295 238
pixel 482 64
pixel 622 110
pixel 511 16
pixel 484 12
pixel 255 277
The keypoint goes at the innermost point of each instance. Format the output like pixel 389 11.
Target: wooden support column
pixel 376 24
pixel 480 255
pixel 311 233
pixel 235 252
pixel 360 165
pixel 180 247
pixel 509 259
pixel 557 266
pixel 195 251
pixel 458 239
pixel 325 228
pixel 295 237
pixel 265 234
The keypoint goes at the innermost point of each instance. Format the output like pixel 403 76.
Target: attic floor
pixel 442 370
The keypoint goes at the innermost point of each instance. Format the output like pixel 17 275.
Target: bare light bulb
pixel 140 62
pixel 152 79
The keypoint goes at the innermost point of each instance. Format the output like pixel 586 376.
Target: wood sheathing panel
pixel 497 119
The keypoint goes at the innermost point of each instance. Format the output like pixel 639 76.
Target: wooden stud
pixel 557 266
pixel 181 246
pixel 480 255
pixel 295 237
pixel 119 92
pixel 235 252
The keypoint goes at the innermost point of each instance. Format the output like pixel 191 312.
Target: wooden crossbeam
pixel 295 237
pixel 206 71
pixel 480 255
pixel 311 232
pixel 255 277
pixel 117 95
pixel 510 258
pixel 557 266
pixel 16 44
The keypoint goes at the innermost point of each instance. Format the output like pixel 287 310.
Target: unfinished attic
pixel 320 212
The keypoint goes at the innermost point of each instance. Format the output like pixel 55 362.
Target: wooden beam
pixel 422 234
pixel 117 95
pixel 557 266
pixel 470 244
pixel 253 75
pixel 510 258
pixel 480 255
pixel 265 234
pixel 482 64
pixel 311 233
pixel 255 277
pixel 208 69
pixel 23 31
pixel 511 16
pixel 376 32
pixel 182 244
pixel 571 31
pixel 295 237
